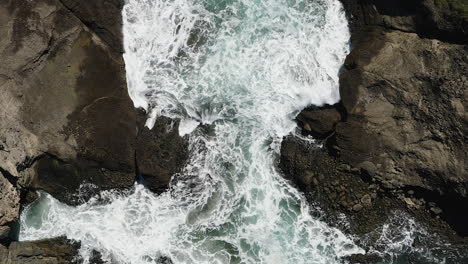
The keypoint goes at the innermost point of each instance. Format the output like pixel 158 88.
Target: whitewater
pixel 243 68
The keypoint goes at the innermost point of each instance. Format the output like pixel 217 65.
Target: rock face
pixel 160 153
pixel 440 19
pixel 408 121
pixel 66 118
pixel 50 251
pixel 402 140
pixel 320 122
pixel 66 110
pixel 9 207
pixel 103 17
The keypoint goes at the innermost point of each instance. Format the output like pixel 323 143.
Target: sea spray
pixel 245 68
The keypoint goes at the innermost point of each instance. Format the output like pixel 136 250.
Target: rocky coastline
pixel 397 140
pixel 67 118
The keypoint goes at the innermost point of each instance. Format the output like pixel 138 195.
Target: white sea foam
pixel 246 67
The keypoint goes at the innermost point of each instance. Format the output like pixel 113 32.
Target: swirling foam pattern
pixel 244 67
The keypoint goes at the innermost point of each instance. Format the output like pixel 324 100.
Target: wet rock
pixel 368 167
pixel 364 259
pixel 366 201
pixel 436 210
pixel 73 183
pixel 4 233
pixel 310 178
pixel 49 251
pixel 409 202
pixel 319 121
pixel 160 153
pixel 65 96
pixel 67 124
pixel 28 196
pixel 96 258
pixel 107 25
pixel 164 260
pixel 357 207
pixel 430 19
pixel 338 191
pixel 3 250
pixel 403 126
pixel 9 207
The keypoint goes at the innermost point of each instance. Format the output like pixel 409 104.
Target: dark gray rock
pixel 4 233
pixel 9 207
pixel 442 19
pixel 404 124
pixel 319 122
pixel 160 152
pixel 67 120
pixel 49 251
pixel 103 17
pixel 65 96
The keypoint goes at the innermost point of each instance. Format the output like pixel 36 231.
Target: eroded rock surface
pixel 320 122
pixel 160 152
pixel 401 143
pixel 66 107
pixel 49 251
pixel 9 207
pixel 102 17
pixel 66 119
pixel 408 121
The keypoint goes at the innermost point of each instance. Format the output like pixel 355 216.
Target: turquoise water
pixel 245 68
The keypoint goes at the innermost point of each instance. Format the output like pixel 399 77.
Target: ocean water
pixel 245 68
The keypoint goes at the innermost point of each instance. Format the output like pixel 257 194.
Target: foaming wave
pixel 245 68
pixel 403 240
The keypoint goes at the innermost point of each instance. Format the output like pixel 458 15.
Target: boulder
pixel 320 122
pixel 160 152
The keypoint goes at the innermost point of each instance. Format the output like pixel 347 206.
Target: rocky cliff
pixel 398 138
pixel 66 117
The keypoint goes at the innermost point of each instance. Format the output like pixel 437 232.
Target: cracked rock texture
pixel 9 206
pixel 66 118
pixel 50 251
pixel 64 94
pixel 160 152
pixel 402 139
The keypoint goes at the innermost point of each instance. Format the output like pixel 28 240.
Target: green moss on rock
pixel 460 7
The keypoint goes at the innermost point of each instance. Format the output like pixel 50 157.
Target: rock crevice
pixel 402 145
pixel 66 117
